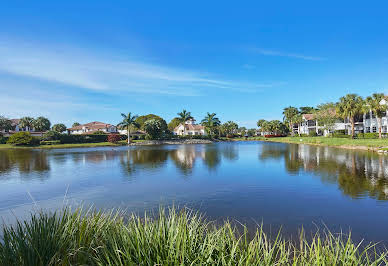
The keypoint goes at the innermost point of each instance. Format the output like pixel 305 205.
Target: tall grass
pixel 172 238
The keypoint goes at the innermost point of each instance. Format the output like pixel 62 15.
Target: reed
pixel 173 237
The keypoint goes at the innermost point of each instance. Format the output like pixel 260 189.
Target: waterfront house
pixel 371 124
pixel 190 128
pixel 17 128
pixel 91 128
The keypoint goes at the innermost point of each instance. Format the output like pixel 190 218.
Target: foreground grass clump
pixel 173 238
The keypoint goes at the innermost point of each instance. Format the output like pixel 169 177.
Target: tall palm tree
pixel 372 103
pixel 210 122
pixel 183 117
pixel 128 121
pixel 26 122
pixel 290 115
pixel 42 124
pixel 350 106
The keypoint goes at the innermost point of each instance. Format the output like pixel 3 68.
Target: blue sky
pixel 91 60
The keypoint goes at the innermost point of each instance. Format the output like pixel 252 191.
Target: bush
pixel 313 134
pixel 342 136
pixel 114 138
pixel 3 140
pixel 368 135
pixel 50 142
pixel 51 135
pixel 22 138
pixel 66 139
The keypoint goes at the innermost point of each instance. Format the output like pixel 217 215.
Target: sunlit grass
pixel 172 238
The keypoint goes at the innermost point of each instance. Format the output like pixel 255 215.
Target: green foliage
pixel 3 140
pixel 368 135
pixel 229 129
pixel 59 128
pixel 143 118
pixel 99 132
pixel 26 122
pixel 114 138
pixel 313 134
pixel 5 124
pixel 326 116
pixel 155 128
pixel 211 123
pixel 21 138
pixel 251 132
pixel 261 122
pixel 50 142
pixel 306 110
pixel 41 124
pixel 173 123
pixel 51 135
pixel 75 124
pixel 373 103
pixel 67 139
pixel 173 237
pixel 350 106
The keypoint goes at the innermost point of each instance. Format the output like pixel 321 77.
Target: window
pixel 374 129
pixel 367 115
pixel 367 130
pixel 384 129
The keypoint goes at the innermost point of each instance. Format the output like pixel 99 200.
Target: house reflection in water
pixel 357 173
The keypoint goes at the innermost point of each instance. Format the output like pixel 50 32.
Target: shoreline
pixel 350 144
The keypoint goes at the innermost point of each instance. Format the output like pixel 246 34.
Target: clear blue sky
pixel 88 60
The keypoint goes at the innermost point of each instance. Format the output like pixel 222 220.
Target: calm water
pixel 280 184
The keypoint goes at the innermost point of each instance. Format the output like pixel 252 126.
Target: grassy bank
pixel 173 238
pixel 65 146
pixel 336 142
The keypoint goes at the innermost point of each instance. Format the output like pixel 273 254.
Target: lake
pixel 282 185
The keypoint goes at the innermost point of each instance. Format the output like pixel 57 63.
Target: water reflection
pixel 24 161
pixel 358 174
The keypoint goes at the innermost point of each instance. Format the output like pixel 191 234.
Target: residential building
pixel 371 124
pixel 190 128
pixel 17 128
pixel 91 128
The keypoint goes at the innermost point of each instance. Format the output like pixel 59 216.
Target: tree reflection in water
pixel 357 174
pixel 25 161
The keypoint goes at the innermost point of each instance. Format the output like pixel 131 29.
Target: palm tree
pixel 128 121
pixel 183 117
pixel 42 124
pixel 290 116
pixel 350 106
pixel 210 122
pixel 26 122
pixel 372 103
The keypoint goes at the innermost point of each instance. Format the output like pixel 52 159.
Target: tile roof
pixel 191 127
pixel 92 125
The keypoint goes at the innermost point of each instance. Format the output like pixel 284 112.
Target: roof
pixel 309 116
pixel 191 127
pixel 92 125
pixel 15 122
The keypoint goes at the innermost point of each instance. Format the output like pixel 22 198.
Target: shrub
pixel 313 134
pixel 114 138
pixel 50 142
pixel 342 136
pixel 273 136
pixel 3 139
pixel 368 135
pixel 51 135
pixel 21 138
pixel 82 138
pixel 99 133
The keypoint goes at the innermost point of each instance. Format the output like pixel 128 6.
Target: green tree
pixel 306 110
pixel 210 122
pixel 59 128
pixel 326 116
pixel 5 123
pixel 42 124
pixel 26 122
pixel 183 117
pixel 155 128
pixel 173 124
pixel 229 128
pixel 129 121
pixel 251 132
pixel 21 138
pixel 372 103
pixel 140 120
pixel 290 116
pixel 261 122
pixel 76 124
pixel 350 106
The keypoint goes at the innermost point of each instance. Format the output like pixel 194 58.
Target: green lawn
pixel 368 143
pixel 64 146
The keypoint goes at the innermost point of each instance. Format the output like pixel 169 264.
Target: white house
pixel 17 128
pixel 371 125
pixel 91 128
pixel 310 124
pixel 190 129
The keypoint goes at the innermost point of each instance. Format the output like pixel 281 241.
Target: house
pixel 371 125
pixel 136 133
pixel 190 129
pixel 310 125
pixel 91 128
pixel 17 128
